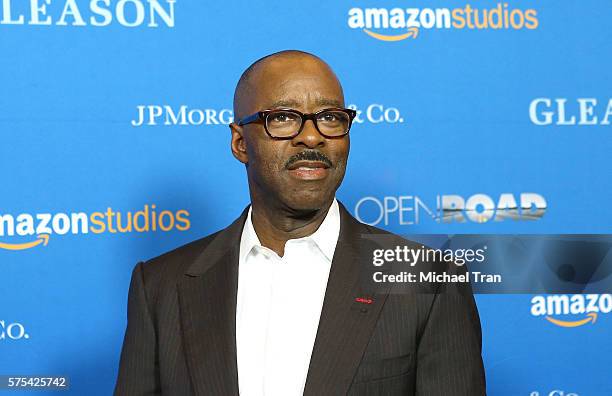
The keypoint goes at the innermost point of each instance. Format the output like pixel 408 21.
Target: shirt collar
pixel 325 237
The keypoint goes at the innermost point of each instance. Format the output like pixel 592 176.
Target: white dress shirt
pixel 278 308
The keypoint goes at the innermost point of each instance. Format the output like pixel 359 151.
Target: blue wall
pixel 463 113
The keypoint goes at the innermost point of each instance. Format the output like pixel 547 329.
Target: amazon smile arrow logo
pixel 412 32
pixel 591 317
pixel 41 239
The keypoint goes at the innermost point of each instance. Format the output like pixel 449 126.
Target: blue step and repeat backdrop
pixel 115 148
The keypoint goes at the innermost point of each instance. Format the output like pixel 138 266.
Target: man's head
pixel 301 173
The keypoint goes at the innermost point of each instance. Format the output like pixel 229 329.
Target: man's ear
pixel 238 145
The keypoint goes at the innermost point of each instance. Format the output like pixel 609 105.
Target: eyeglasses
pixel 288 123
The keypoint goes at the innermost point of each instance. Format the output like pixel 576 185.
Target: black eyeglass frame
pixel 263 116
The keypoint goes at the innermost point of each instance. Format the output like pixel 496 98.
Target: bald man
pixel 273 304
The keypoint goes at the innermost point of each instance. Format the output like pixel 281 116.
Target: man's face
pixel 302 173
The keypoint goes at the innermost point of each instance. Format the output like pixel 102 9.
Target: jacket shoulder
pixel 369 229
pixel 375 230
pixel 181 256
pixel 163 271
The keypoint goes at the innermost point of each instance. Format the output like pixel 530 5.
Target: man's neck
pixel 274 226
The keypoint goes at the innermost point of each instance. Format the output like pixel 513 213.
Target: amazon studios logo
pixel 166 115
pixel 477 208
pixel 396 24
pixel 99 13
pixel 29 230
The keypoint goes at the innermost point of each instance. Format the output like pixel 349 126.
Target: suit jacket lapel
pixel 207 303
pixel 345 325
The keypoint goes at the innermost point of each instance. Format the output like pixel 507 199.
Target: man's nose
pixel 309 137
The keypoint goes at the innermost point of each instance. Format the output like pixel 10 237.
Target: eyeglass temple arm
pixel 248 119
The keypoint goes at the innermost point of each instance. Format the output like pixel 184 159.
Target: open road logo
pixel 571 310
pixel 450 208
pixel 396 24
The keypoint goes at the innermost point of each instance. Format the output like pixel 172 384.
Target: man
pixel 273 304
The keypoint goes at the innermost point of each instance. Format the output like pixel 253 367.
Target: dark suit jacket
pixel 180 337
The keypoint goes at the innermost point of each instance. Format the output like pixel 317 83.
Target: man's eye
pixel 283 117
pixel 328 117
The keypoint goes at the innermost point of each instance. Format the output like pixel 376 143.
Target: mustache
pixel 309 155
